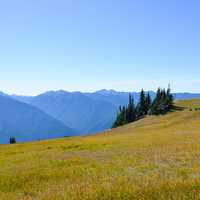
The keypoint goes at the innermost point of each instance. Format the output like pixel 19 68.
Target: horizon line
pixel 94 91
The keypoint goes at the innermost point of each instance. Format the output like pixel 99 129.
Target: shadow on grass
pixel 177 108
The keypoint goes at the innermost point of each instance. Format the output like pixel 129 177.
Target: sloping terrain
pixel 77 110
pixel 156 158
pixel 86 112
pixel 28 123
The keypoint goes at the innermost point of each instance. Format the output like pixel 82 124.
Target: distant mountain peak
pixel 105 91
pixel 54 92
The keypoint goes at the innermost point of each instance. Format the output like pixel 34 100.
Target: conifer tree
pixel 130 111
pixel 169 99
pixel 12 140
pixel 155 103
pixel 142 104
pixel 121 117
pixel 125 114
pixel 162 103
pixel 148 102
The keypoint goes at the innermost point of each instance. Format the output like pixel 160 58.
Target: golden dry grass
pixel 156 158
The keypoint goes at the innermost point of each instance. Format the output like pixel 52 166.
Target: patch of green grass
pixel 156 158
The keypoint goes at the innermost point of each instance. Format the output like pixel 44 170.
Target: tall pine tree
pixel 142 104
pixel 125 114
pixel 121 117
pixel 155 103
pixel 162 103
pixel 148 103
pixel 169 99
pixel 130 111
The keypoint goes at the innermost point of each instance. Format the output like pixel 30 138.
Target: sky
pixel 87 45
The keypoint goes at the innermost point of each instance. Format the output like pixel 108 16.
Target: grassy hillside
pixel 154 158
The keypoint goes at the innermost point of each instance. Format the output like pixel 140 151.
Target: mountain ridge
pixel 87 112
pixel 28 123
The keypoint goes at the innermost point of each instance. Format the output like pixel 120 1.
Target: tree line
pixel 161 104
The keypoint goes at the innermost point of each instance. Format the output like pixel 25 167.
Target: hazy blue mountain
pixel 27 123
pixel 86 112
pixel 77 110
pixel 25 99
pixel 116 98
pixel 180 96
pixel 111 96
pixel 121 98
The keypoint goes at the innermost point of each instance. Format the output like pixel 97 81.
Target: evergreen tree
pixel 125 114
pixel 162 103
pixel 169 99
pixel 148 100
pixel 12 140
pixel 156 103
pixel 121 117
pixel 130 111
pixel 148 103
pixel 142 110
pixel 162 107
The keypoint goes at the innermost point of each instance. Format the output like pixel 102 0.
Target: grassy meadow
pixel 156 158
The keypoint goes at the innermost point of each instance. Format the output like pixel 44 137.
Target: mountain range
pixel 61 113
pixel 27 123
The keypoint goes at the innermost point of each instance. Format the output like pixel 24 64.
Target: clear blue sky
pixel 93 44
